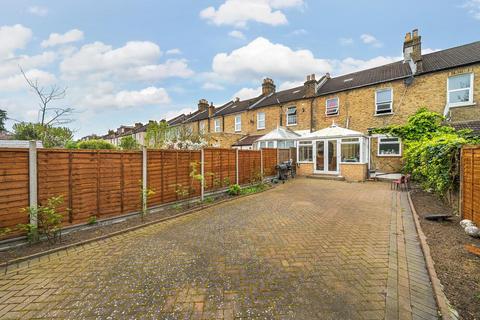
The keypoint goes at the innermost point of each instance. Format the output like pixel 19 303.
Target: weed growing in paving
pixel 92 220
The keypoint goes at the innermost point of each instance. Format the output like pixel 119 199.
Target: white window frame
pixel 337 110
pixel 202 127
pixel 289 115
pixel 217 125
pixel 379 142
pixel 470 93
pixel 238 123
pixel 352 141
pixel 259 127
pixel 304 144
pixel 376 102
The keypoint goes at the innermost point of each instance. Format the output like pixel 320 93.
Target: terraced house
pixel 330 119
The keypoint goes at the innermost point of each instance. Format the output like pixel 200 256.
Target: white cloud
pixel 212 86
pixel 247 93
pixel 370 40
pixel 171 68
pixel 473 8
pixel 11 66
pixel 56 39
pixel 348 65
pixel 236 34
pixel 98 57
pixel 13 38
pixel 239 12
pixel 174 113
pixel 104 98
pixel 298 32
pixel 262 58
pixel 290 84
pixel 345 41
pixel 17 82
pixel 174 51
pixel 38 11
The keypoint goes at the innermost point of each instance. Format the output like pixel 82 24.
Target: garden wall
pixel 106 183
pixel 470 183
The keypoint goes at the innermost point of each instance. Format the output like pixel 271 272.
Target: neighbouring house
pixel 333 117
pixel 5 135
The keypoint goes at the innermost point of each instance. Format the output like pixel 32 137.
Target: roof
pixel 280 133
pixel 282 97
pixel 247 140
pixel 435 61
pixel 237 106
pixel 5 135
pixel 333 131
pixel 473 125
pixel 177 120
pixel 197 116
pixel 18 144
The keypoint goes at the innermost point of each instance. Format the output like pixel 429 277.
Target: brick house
pixel 446 81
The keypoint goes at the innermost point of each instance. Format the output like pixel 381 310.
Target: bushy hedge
pixel 93 144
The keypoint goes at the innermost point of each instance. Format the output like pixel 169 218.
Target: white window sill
pixel 304 162
pixel 459 105
pixel 331 115
pixel 291 125
pixel 383 114
pixel 260 128
pixel 341 162
pixel 389 155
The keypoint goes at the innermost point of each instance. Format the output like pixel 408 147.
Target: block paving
pixel 309 249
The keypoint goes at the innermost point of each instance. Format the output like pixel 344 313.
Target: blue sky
pixel 131 61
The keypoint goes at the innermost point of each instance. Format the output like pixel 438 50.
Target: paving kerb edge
pixel 9 265
pixel 440 297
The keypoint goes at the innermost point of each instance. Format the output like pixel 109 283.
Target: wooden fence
pixel 105 183
pixel 470 183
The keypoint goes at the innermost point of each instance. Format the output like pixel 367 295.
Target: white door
pixel 326 156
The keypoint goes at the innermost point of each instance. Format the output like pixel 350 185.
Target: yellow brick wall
pixel 304 169
pixel 354 172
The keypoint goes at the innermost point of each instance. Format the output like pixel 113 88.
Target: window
pixel 262 144
pixel 291 116
pixel 218 125
pixel 350 150
pixel 383 101
pixel 305 151
pixel 331 106
pixel 270 144
pixel 281 144
pixel 260 120
pixel 389 146
pixel 460 91
pixel 238 123
pixel 202 126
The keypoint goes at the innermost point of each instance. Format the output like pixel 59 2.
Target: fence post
pixel 144 179
pixel 237 178
pixel 278 156
pixel 202 173
pixel 261 164
pixel 32 177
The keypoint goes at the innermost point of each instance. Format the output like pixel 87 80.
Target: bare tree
pixel 50 116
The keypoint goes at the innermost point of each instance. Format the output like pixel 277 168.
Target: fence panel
pixel 13 187
pixel 219 168
pixel 471 184
pixel 269 162
pixel 249 166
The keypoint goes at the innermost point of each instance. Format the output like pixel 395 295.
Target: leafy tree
pixel 156 134
pixel 95 145
pixel 52 137
pixel 129 143
pixel 3 117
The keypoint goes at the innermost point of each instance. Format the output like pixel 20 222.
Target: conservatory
pixel 334 151
pixel 280 138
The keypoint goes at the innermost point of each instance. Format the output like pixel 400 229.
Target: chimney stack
pixel 268 86
pixel 202 105
pixel 211 110
pixel 412 50
pixel 310 85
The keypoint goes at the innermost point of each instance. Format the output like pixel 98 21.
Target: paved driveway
pixel 308 249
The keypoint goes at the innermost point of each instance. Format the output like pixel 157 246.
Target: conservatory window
pixel 305 151
pixel 350 148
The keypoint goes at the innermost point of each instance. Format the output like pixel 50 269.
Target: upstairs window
pixel 218 125
pixel 460 90
pixel 202 126
pixel 238 123
pixel 291 116
pixel 389 146
pixel 383 101
pixel 260 120
pixel 331 106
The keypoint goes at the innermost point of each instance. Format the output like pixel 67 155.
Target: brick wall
pixel 354 172
pixel 304 169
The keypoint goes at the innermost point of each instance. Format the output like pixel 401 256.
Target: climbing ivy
pixel 431 150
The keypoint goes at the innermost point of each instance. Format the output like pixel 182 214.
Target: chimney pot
pixel 415 33
pixel 327 75
pixel 203 104
pixel 237 99
pixel 312 77
pixel 408 36
pixel 268 86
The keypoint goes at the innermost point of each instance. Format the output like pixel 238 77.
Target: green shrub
pixel 92 220
pixel 129 143
pixel 95 145
pixel 234 190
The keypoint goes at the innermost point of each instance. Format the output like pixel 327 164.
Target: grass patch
pixel 253 189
